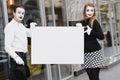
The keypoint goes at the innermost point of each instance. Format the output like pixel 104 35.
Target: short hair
pixel 14 7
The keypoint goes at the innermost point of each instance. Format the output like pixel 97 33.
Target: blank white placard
pixel 57 45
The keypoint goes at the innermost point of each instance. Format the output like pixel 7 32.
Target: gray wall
pixel 1 28
pixel 75 9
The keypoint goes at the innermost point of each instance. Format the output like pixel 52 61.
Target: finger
pixel 79 25
pixel 87 26
pixel 23 63
pixel 85 31
pixel 33 24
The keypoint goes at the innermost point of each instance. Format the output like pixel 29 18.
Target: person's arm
pixel 29 30
pixel 9 39
pixel 97 31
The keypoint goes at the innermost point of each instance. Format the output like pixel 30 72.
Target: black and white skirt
pixel 93 59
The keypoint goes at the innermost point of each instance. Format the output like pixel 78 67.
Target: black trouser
pixel 14 65
pixel 93 73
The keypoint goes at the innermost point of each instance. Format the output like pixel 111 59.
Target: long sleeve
pixel 9 38
pixel 15 38
pixel 97 31
pixel 28 32
pixel 90 41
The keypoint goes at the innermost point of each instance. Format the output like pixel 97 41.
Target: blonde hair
pixel 94 15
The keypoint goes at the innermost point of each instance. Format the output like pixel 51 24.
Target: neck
pixel 16 20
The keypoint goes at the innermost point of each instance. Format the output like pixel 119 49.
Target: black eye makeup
pixel 87 10
pixel 19 12
pixel 92 10
pixel 23 13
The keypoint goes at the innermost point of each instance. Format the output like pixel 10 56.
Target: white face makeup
pixel 19 14
pixel 89 11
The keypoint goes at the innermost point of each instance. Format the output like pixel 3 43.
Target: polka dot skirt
pixel 93 59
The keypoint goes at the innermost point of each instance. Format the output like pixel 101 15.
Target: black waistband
pixel 21 53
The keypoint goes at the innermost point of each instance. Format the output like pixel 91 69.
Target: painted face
pixel 19 14
pixel 89 11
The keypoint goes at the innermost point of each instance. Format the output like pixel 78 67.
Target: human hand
pixel 78 25
pixel 88 30
pixel 32 25
pixel 19 61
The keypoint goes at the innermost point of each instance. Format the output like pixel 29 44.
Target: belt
pixel 21 53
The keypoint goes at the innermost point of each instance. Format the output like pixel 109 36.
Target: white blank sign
pixel 57 45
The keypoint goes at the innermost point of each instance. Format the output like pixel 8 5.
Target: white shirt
pixel 16 38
